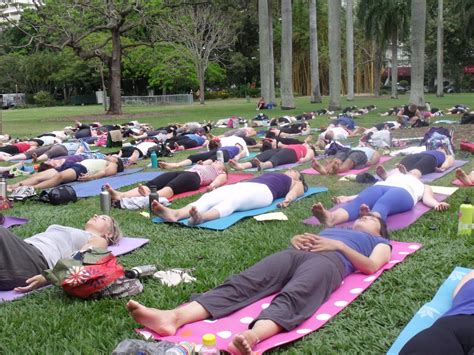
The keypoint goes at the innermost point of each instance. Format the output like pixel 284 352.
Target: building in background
pixel 12 9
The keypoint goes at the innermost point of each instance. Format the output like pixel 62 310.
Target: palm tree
pixel 286 79
pixel 350 50
pixel 264 48
pixel 272 97
pixel 313 53
pixel 334 39
pixel 439 51
pixel 417 45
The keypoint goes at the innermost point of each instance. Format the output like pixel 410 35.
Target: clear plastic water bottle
pixel 105 201
pixel 154 160
pixel 183 348
pixel 220 155
pixel 209 346
pixel 153 196
pixel 3 188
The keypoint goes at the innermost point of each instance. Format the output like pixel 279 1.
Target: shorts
pixel 128 151
pixel 359 158
pixel 79 169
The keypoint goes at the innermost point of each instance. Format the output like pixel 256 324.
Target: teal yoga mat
pixel 226 222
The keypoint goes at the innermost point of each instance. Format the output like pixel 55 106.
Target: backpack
pixel 161 150
pixel 437 137
pixel 58 195
pixel 467 118
pixel 335 147
pixel 114 139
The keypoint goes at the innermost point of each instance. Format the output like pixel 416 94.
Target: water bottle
pixel 153 196
pixel 154 160
pixel 220 155
pixel 105 201
pixel 466 212
pixel 209 345
pixel 3 188
pixel 183 348
pixel 140 271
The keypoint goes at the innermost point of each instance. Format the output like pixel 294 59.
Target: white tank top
pixel 93 166
pixel 407 182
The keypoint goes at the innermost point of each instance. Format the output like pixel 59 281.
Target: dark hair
pixel 266 145
pixel 120 166
pixel 213 144
pixel 250 141
pixel 301 178
pixel 383 227
pixel 44 166
pixel 37 140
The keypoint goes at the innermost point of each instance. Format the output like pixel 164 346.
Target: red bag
pixel 468 147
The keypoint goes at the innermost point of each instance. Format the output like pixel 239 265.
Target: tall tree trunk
pixel 440 52
pixel 350 50
pixel 271 57
pixel 201 70
pixel 313 53
pixel 377 69
pixel 334 39
pixel 394 70
pixel 417 44
pixel 286 75
pixel 115 66
pixel 264 47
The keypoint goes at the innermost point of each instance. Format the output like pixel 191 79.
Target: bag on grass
pixel 114 139
pixel 58 195
pixel 161 150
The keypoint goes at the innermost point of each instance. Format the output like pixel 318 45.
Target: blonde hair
pixel 115 231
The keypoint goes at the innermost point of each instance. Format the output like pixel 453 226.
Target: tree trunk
pixel 201 72
pixel 313 53
pixel 440 52
pixel 115 68
pixel 271 57
pixel 334 39
pixel 417 44
pixel 350 50
pixel 394 70
pixel 264 46
pixel 286 76
pixel 377 69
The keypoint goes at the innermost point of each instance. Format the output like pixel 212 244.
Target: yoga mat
pixel 382 160
pixel 430 311
pixel 11 221
pixel 226 328
pixel 436 175
pixel 232 178
pixel 459 183
pixel 279 167
pixel 395 221
pixel 126 245
pixel 226 222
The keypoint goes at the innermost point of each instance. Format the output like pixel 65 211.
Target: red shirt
pixel 22 146
pixel 299 149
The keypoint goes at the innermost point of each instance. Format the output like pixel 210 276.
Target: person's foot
pixel 196 217
pixel 364 210
pixel 163 212
pixel 234 165
pixel 462 176
pixel 243 343
pixel 402 168
pixel 340 199
pixel 114 194
pixel 381 172
pixel 258 163
pixel 162 322
pixel 142 190
pixel 34 158
pixel 316 165
pixel 165 165
pixel 335 167
pixel 322 214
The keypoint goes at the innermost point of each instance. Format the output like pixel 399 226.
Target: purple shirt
pixel 440 156
pixel 279 184
pixel 463 303
pixel 232 150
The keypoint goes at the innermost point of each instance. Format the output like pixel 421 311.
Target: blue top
pixel 279 184
pixel 440 156
pixel 197 138
pixel 70 161
pixel 361 242
pixel 232 150
pixel 463 303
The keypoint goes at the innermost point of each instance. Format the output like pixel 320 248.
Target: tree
pixel 314 56
pixel 439 51
pixel 92 28
pixel 264 45
pixel 350 50
pixel 417 45
pixel 334 39
pixel 286 77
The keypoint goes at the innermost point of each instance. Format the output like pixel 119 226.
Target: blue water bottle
pixel 154 160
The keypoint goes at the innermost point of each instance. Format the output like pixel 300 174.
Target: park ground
pixel 50 322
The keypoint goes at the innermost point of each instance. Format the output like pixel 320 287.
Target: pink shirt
pixel 299 149
pixel 207 173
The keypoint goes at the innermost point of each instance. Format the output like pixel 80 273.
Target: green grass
pixel 51 322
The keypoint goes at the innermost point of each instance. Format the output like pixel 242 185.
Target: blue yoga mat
pixel 226 222
pixel 430 311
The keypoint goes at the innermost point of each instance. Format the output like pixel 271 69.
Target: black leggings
pixel 277 157
pixel 178 181
pixel 288 141
pixel 10 149
pixel 448 335
pixel 212 154
pixel 426 163
pixel 185 141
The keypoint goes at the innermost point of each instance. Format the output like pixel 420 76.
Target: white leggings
pixel 242 196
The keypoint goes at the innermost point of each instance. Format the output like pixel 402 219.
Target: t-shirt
pixel 407 182
pixel 93 166
pixel 369 152
pixel 197 138
pixel 22 146
pixel 299 149
pixel 340 133
pixel 440 156
pixel 463 302
pixel 144 146
pixel 233 151
pixel 233 140
pixel 361 242
pixel 207 173
pixel 279 184
pixel 58 242
pixel 48 140
pixel 72 147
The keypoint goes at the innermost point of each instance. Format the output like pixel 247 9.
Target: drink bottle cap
pixel 209 340
pixel 467 200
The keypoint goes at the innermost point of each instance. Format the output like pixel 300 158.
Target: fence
pixel 182 99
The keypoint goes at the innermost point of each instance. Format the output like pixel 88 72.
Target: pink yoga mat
pixel 382 160
pixel 226 328
pixel 231 179
pixel 395 221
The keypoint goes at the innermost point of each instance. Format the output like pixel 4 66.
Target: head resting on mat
pixel 297 176
pixel 105 227
pixel 373 224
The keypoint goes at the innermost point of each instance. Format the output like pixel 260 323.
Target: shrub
pixel 44 98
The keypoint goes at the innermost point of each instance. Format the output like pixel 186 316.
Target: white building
pixel 12 9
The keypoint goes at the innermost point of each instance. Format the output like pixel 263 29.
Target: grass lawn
pixel 53 323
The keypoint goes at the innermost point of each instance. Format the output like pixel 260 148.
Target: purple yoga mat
pixel 433 176
pixel 126 245
pixel 311 171
pixel 14 221
pixel 395 221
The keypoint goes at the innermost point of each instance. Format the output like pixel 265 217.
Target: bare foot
pixel 234 164
pixel 163 212
pixel 462 176
pixel 402 168
pixel 114 194
pixel 143 191
pixel 335 167
pixel 316 165
pixel 243 343
pixel 196 217
pixel 322 214
pixel 341 199
pixel 364 210
pixel 165 165
pixel 381 172
pixel 258 163
pixel 34 158
pixel 162 322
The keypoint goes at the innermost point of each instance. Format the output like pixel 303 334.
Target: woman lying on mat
pixel 270 158
pixel 345 160
pixel 423 163
pixel 22 261
pixel 304 276
pixel 52 151
pixel 397 194
pixel 176 182
pixel 257 192
pixel 466 179
pixel 453 333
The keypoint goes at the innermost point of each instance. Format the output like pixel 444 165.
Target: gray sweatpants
pixel 303 280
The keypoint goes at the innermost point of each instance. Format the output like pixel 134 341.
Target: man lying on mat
pixel 303 277
pixel 397 194
pixel 23 261
pixel 345 160
pixel 257 192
